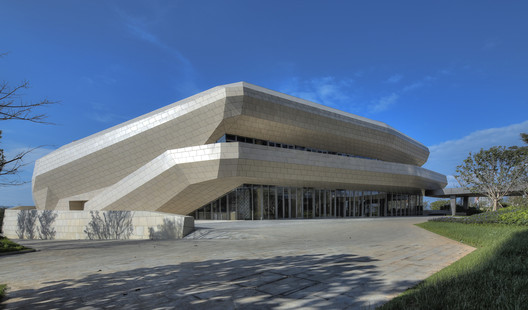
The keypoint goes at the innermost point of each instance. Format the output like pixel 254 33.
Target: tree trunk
pixel 495 202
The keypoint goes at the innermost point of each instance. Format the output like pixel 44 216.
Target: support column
pixel 353 203
pixel 302 202
pixel 370 204
pixel 385 205
pixel 335 204
pixel 289 203
pixel 252 203
pixel 283 204
pixel 348 205
pixel 362 204
pixel 313 203
pixel 391 206
pixel 261 201
pixel 466 203
pixel 453 205
pixel 319 203
pixel 276 203
pixel 324 204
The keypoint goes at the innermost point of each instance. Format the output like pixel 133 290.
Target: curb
pixel 18 252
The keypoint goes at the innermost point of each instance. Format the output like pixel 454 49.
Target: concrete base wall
pixel 33 224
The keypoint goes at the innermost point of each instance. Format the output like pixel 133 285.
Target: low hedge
pixel 7 245
pixel 507 216
pixel 518 217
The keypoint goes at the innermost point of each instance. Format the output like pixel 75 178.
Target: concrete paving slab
pixel 287 264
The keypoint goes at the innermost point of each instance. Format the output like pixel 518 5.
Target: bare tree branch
pixel 13 108
pixel 12 166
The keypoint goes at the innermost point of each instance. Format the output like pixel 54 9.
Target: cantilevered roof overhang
pixel 461 192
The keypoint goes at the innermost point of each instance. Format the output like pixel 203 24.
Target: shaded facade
pixel 290 158
pixel 263 202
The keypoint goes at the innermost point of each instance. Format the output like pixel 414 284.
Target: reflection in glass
pixel 260 202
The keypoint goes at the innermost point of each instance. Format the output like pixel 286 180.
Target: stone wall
pixel 48 224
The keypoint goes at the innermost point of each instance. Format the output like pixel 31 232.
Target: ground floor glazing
pixel 263 202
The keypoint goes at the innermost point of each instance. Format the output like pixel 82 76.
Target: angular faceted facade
pixel 239 151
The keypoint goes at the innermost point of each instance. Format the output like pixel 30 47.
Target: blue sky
pixel 451 74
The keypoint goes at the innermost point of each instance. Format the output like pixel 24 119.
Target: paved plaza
pixel 286 264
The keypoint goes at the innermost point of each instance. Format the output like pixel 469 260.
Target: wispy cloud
pixel 327 90
pixel 394 78
pixel 87 80
pixel 98 79
pixel 490 44
pixel 343 92
pixel 140 32
pixel 108 80
pixel 105 118
pixel 413 86
pixel 139 28
pixel 100 113
pixel 384 103
pixel 447 155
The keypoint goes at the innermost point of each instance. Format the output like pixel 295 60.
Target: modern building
pixel 240 151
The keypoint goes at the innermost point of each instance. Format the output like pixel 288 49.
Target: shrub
pixel 7 245
pixel 519 217
pixel 473 210
pixel 508 216
pixel 3 288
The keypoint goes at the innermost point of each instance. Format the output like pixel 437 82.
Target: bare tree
pixel 12 107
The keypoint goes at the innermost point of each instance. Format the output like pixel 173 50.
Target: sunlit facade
pixel 240 151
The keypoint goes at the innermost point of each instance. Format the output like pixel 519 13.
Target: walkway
pixel 311 264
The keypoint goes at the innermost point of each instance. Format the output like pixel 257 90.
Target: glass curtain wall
pixel 266 202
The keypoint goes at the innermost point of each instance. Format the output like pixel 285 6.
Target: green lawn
pixel 7 245
pixel 495 276
pixel 3 288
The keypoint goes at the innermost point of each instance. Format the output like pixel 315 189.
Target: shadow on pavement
pixel 316 281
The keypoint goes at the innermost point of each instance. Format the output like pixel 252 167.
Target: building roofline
pixel 330 112
pixel 320 107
